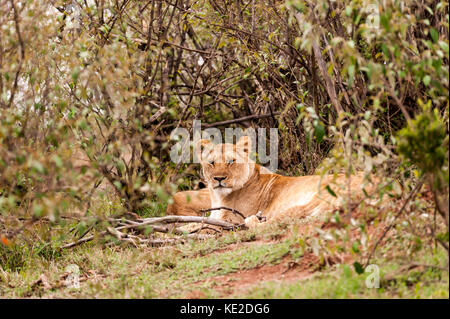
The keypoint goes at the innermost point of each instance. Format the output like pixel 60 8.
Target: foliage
pixel 91 90
pixel 424 142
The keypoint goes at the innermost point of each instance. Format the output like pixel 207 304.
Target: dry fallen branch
pixel 234 211
pixel 187 219
pixel 155 224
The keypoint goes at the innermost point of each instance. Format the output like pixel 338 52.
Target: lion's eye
pixel 211 162
pixel 230 161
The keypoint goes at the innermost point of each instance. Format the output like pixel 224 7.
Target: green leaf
pixel 444 46
pixel 434 35
pixel 319 131
pixel 348 11
pixel 355 247
pixel 426 80
pixel 75 74
pixel 385 50
pixel 332 193
pixel 384 20
pixel 358 268
pixel 57 160
pixel 351 74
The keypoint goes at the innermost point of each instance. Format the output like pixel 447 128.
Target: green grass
pixel 119 271
pixel 136 273
pixel 343 282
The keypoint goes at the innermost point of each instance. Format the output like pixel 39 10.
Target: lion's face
pixel 226 167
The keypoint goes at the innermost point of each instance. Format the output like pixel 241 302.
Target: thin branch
pixel 410 196
pixel 22 54
pixel 234 211
pixel 241 119
pixel 331 89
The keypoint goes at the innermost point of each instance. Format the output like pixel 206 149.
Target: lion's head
pixel 226 167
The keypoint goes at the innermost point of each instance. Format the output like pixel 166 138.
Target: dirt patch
pixel 196 294
pixel 285 271
pixel 239 245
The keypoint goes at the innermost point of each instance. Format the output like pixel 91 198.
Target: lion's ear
pixel 244 144
pixel 201 146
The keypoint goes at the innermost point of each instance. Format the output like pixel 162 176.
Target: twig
pixel 410 196
pixel 234 211
pixel 79 242
pixel 329 85
pixel 415 265
pixel 398 102
pixel 241 119
pixel 22 54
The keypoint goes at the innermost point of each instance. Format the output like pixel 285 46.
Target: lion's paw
pixel 252 221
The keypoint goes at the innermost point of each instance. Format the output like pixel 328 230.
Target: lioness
pixel 234 181
pixel 191 203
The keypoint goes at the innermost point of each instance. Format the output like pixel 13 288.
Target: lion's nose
pixel 219 178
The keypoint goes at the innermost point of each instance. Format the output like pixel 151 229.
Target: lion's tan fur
pixel 243 187
pixel 189 203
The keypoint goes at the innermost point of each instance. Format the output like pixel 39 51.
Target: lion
pixel 193 202
pixel 234 181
